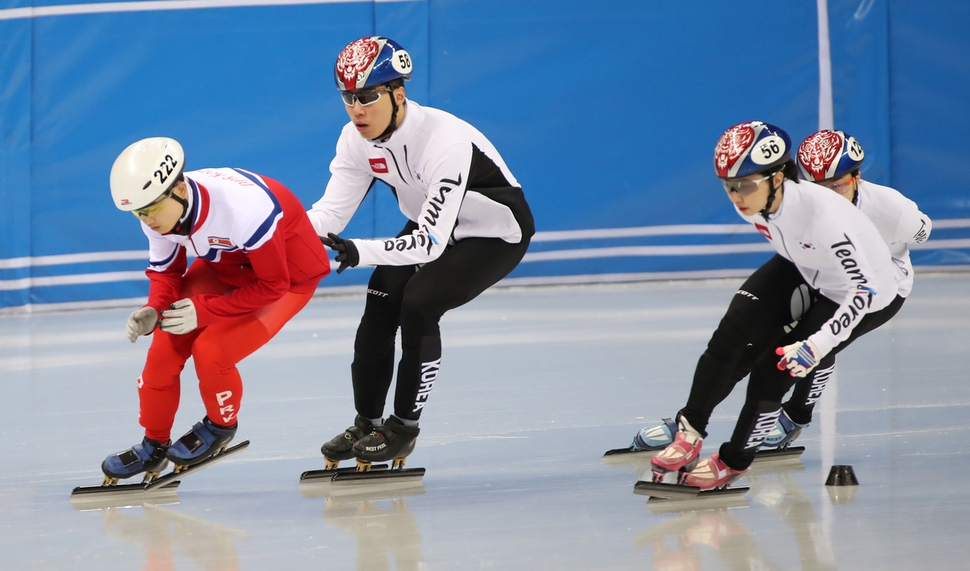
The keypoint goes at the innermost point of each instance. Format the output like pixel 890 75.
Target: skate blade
pixel 173 476
pixel 667 491
pixel 792 453
pixel 327 475
pixel 401 475
pixel 622 456
pixel 84 498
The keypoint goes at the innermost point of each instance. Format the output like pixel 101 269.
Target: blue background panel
pixel 607 114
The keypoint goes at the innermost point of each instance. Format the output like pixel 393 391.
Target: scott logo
pixel 378 165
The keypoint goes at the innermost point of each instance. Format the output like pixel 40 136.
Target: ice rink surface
pixel 535 384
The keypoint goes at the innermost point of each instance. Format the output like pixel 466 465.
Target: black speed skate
pixel 392 441
pixel 341 447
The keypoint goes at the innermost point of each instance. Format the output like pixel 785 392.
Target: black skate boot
pixel 341 447
pixel 392 441
pixel 147 457
pixel 206 439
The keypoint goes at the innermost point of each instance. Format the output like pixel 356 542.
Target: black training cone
pixel 841 476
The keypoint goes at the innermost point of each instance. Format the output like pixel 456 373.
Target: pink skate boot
pixel 679 457
pixel 711 473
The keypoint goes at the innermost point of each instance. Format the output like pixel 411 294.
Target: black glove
pixel 346 251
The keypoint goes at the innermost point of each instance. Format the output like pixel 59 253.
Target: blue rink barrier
pixel 579 256
pixel 606 113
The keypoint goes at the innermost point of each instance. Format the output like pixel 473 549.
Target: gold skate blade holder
pixel 363 466
pixel 158 484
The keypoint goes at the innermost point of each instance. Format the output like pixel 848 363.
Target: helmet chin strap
pixel 184 224
pixel 771 195
pixel 392 126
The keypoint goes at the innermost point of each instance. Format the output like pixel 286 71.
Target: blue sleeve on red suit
pixel 164 286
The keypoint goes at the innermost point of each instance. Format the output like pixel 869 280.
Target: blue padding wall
pixel 606 112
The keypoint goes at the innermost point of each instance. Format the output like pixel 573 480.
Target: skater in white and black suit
pixel 822 241
pixel 468 226
pixel 831 159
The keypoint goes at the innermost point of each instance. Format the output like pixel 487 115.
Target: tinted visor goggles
pixel 363 96
pixel 743 186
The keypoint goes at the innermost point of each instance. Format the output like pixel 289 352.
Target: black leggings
pixel 761 318
pixel 759 315
pixel 414 298
pixel 768 384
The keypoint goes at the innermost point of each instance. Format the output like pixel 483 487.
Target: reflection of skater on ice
pixel 385 530
pixel 786 497
pixel 164 533
pixel 676 542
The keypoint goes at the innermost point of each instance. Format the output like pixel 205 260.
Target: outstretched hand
pixel 347 254
pixel 141 322
pixel 799 358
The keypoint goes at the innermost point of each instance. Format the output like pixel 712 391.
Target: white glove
pixel 181 319
pixel 141 322
pixel 799 358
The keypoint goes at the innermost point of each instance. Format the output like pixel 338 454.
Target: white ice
pixel 536 384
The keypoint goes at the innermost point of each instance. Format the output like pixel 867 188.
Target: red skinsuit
pixel 259 262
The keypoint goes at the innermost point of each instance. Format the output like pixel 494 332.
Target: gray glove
pixel 181 319
pixel 141 322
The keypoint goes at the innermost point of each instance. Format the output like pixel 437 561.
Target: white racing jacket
pixel 900 223
pixel 838 251
pixel 447 177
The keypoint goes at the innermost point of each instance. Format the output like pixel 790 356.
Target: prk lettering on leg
pixel 227 412
pixel 429 373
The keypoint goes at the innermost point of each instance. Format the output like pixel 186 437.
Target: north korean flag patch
pixel 378 165
pixel 218 243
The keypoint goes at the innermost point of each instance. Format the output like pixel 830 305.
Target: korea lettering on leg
pixel 429 373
